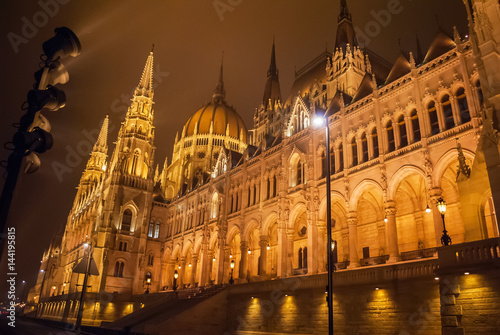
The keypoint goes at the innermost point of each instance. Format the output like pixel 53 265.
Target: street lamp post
pixel 148 284
pixel 176 275
pixel 441 205
pixel 323 120
pixel 231 280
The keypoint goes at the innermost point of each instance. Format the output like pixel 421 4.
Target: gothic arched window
pixel 300 258
pixel 364 147
pixel 447 112
pixel 463 106
pixel 157 229
pixel 374 137
pixel 126 220
pixel 119 269
pixel 391 145
pixel 433 119
pixel 341 157
pixel 354 151
pixel 415 125
pixel 151 228
pixel 403 137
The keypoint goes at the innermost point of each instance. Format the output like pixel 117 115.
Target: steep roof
pixel 400 68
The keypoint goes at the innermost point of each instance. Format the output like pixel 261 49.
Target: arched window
pixel 249 196
pixel 415 125
pixel 126 220
pixel 391 146
pixel 215 205
pixel 341 157
pixel 157 229
pixel 354 151
pixel 304 256
pixel 268 184
pixel 236 204
pixel 374 136
pixel 148 276
pixel 254 194
pixel 332 161
pixel 433 119
pixel 299 173
pixel 151 258
pixel 300 258
pixel 119 269
pixel 151 228
pixel 447 113
pixel 463 106
pixel 323 164
pixel 403 137
pixel 275 184
pixel 364 147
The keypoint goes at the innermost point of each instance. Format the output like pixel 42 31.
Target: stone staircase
pixel 145 320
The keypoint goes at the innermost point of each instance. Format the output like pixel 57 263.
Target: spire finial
pixel 220 92
pixel 344 11
pixel 102 139
pixel 153 48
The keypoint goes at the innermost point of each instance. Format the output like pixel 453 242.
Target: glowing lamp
pixel 189 264
pixel 232 264
pixel 176 275
pixel 333 245
pixel 427 209
pixel 230 255
pixel 441 205
pixel 268 247
pixel 249 252
pixel 85 245
pixel 148 280
pixel 319 121
pixel 385 219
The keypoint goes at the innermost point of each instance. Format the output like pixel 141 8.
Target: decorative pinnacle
pixel 102 139
pixel 344 11
pixel 145 86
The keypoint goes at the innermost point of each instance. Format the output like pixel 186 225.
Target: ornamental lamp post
pixel 322 120
pixel 231 280
pixel 441 205
pixel 148 284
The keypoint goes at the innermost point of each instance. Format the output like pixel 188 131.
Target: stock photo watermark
pixel 30 26
pixel 11 275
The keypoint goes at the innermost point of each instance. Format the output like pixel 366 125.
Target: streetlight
pixel 323 121
pixel 148 284
pixel 176 275
pixel 441 205
pixel 231 280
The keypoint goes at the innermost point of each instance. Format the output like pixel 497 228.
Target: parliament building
pixel 239 211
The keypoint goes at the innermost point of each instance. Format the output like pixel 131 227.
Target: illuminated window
pixel 403 137
pixel 433 119
pixel 151 228
pixel 157 229
pixel 463 106
pixel 126 220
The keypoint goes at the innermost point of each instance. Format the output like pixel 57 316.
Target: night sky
pixel 189 39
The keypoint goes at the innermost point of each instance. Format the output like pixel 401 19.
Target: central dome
pixel 222 116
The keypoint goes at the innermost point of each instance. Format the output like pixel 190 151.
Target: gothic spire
pixel 344 11
pixel 345 29
pixel 101 144
pixel 272 91
pixel 145 86
pixel 220 92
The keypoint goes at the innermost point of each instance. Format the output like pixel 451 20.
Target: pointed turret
pixel 220 92
pixel 145 87
pixel 99 153
pixel 102 140
pixel 345 29
pixel 272 91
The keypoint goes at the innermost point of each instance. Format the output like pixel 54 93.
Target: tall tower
pixel 268 116
pixel 349 64
pixel 134 147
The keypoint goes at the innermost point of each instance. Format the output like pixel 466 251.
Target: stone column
pixel 194 266
pixel 244 260
pixel 182 272
pixel 345 245
pixel 321 249
pixel 434 194
pixel 203 276
pixel 289 253
pixel 419 224
pixel 264 242
pixel 281 251
pixel 392 231
pixel 352 221
pixel 210 266
pixel 170 274
pixel 312 244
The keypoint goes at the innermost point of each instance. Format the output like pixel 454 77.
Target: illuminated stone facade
pixel 402 135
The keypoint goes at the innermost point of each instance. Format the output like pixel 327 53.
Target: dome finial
pixel 220 92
